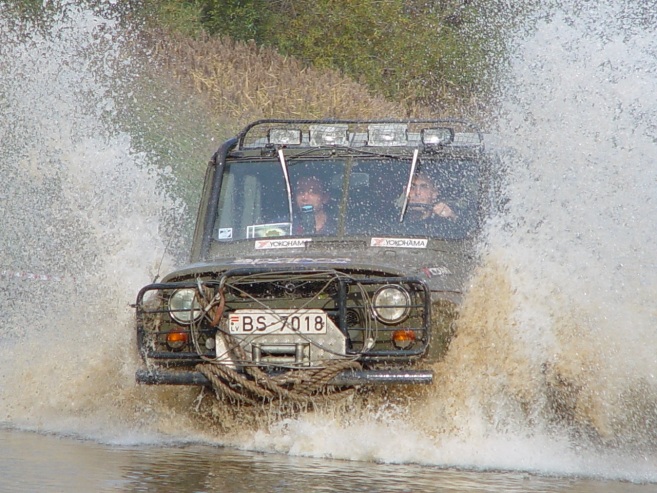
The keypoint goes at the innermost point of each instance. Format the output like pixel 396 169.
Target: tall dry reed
pixel 246 82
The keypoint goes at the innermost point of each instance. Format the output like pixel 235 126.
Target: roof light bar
pixel 322 135
pixel 437 136
pixel 387 134
pixel 284 136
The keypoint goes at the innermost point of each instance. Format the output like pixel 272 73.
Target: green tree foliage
pixel 184 17
pixel 240 19
pixel 420 52
pixel 396 50
pixel 407 50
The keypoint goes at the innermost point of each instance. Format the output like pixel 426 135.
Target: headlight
pixel 437 136
pixel 183 306
pixel 321 135
pixel 285 136
pixel 387 134
pixel 391 304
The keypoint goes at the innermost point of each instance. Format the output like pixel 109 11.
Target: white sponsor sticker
pixel 225 234
pixel 282 243
pixel 436 271
pixel 399 242
pixel 259 261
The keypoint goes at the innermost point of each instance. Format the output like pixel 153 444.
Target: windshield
pixel 347 197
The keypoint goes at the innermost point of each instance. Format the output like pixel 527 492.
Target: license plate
pixel 260 322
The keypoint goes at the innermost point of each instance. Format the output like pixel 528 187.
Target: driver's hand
pixel 443 210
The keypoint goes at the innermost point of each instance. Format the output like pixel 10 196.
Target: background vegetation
pixel 331 58
pixel 439 57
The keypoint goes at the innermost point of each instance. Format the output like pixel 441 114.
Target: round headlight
pixel 184 307
pixel 391 304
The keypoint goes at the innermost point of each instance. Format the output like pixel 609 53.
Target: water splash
pixel 81 210
pixel 580 226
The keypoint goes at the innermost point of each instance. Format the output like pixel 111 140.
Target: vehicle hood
pixel 445 266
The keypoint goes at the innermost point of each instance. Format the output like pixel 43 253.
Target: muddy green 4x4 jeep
pixel 327 255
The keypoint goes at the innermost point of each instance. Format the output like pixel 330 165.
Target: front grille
pixel 346 299
pixel 283 288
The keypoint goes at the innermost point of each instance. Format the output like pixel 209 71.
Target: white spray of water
pixel 564 298
pixel 80 211
pixel 582 225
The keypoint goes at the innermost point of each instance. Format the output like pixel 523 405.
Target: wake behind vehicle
pixel 328 255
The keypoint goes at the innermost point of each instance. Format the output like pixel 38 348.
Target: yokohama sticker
pixel 260 261
pixel 271 244
pixel 399 242
pixel 436 271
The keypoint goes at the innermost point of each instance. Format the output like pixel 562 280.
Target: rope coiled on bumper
pixel 306 386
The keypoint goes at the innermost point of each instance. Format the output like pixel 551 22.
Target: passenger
pixel 312 199
pixel 424 204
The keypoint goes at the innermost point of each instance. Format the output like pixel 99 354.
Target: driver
pixel 423 201
pixel 312 199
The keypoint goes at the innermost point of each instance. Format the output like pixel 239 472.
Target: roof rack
pixel 360 133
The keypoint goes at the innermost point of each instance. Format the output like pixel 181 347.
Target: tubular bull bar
pixel 343 379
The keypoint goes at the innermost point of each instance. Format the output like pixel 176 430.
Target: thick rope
pixel 305 386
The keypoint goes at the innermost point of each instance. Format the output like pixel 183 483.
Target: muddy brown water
pixel 49 463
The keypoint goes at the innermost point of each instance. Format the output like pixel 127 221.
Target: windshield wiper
pixel 281 159
pixel 408 186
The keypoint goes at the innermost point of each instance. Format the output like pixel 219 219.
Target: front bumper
pixel 344 379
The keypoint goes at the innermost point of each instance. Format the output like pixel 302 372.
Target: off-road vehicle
pixel 327 255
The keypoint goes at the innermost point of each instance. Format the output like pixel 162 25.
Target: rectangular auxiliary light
pixel 387 134
pixel 285 136
pixel 329 135
pixel 437 136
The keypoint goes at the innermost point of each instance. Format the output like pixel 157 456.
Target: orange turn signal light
pixel 177 339
pixel 403 338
